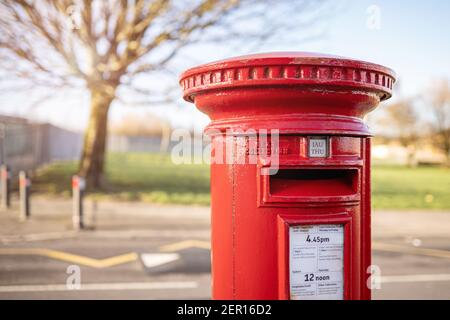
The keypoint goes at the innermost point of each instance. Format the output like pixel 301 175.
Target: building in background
pixel 388 150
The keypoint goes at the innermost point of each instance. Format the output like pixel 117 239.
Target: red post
pixel 78 186
pixel 295 222
pixel 24 195
pixel 5 186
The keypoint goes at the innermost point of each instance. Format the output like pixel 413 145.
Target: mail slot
pixel 290 208
pixel 318 184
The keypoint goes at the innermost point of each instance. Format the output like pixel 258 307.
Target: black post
pixel 24 194
pixel 78 186
pixel 5 177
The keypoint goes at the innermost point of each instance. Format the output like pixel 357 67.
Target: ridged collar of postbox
pixel 288 68
pixel 288 87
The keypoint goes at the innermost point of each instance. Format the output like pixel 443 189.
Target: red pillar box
pixel 290 210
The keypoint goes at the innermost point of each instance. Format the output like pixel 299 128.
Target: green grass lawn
pixel 135 176
pixel 153 178
pixel 395 187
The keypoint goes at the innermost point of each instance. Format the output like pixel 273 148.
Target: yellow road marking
pixel 186 244
pixel 72 258
pixel 411 250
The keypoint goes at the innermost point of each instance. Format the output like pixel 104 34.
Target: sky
pixel 411 37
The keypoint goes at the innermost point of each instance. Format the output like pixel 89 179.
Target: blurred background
pixel 90 88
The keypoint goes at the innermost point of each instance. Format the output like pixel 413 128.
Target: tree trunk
pixel 93 155
pixel 444 136
pixel 447 159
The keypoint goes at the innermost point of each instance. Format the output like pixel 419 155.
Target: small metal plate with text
pixel 318 147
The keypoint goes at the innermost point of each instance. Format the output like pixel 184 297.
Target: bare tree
pixel 440 108
pixel 105 45
pixel 403 118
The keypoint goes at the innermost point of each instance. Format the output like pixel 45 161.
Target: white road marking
pixel 151 260
pixel 391 247
pixel 37 237
pixel 415 278
pixel 102 286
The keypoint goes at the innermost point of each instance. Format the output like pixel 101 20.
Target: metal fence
pixel 26 146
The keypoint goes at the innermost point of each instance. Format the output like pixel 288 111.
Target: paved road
pixel 28 271
pixel 414 255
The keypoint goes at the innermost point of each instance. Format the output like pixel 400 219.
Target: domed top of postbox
pixel 286 83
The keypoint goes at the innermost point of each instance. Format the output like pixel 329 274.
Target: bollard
pixel 291 218
pixel 24 195
pixel 5 177
pixel 94 210
pixel 78 186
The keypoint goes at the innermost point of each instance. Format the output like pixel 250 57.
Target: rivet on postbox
pixel 294 223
